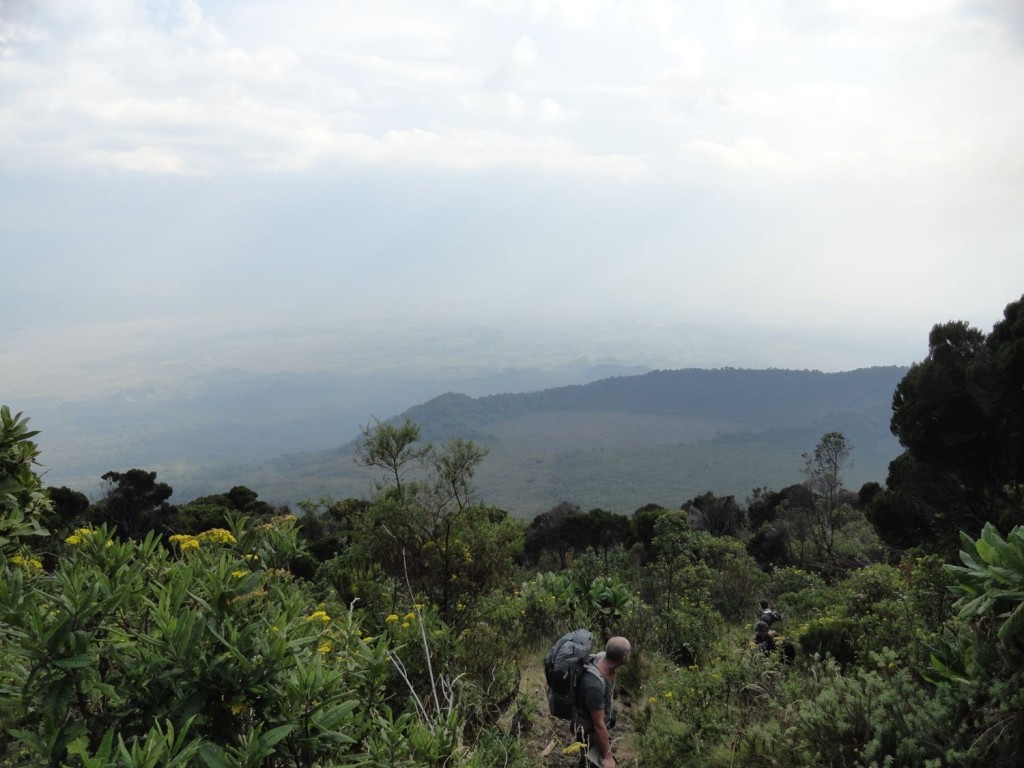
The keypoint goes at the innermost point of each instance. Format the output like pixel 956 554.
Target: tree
pixel 824 477
pixel 327 525
pixel 641 526
pixel 551 531
pixel 135 502
pixel 427 527
pixel 718 515
pixel 69 506
pixel 391 448
pixel 824 467
pixel 566 530
pixel 959 414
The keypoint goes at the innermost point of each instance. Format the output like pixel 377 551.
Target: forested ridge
pixel 407 628
pixel 761 398
pixel 625 441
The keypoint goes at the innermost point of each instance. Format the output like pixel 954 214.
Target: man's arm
pixel 602 737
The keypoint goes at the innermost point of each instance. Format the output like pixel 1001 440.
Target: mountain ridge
pixel 666 435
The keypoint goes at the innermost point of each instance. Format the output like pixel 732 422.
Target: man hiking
pixel 595 703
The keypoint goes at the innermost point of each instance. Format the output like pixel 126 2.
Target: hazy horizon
pixel 194 187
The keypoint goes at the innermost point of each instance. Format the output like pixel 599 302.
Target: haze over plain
pixel 449 190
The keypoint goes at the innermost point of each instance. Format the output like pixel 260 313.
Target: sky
pixel 187 186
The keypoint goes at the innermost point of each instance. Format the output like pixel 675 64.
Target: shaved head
pixel 617 649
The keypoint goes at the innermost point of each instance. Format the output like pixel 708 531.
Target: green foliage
pixel 135 503
pixel 689 632
pixel 830 637
pixel 719 516
pixel 551 605
pixel 608 601
pixel 991 580
pixel 696 565
pixel 981 655
pixel 213 648
pixel 877 717
pixel 958 414
pixel 430 533
pixel 134 654
pixel 22 499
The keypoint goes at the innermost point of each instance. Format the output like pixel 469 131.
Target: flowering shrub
pixel 194 654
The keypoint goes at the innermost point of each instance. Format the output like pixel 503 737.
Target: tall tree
pixel 823 469
pixel 134 502
pixel 718 515
pixel 825 466
pixel 959 414
pixel 426 525
pixel 396 449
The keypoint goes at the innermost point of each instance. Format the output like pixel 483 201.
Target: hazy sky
pixel 276 185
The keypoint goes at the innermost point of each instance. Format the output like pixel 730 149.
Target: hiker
pixel 767 615
pixel 764 638
pixel 595 713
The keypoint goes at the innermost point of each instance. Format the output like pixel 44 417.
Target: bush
pixel 830 637
pixel 131 648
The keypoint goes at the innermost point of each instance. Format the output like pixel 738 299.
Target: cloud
pixel 482 156
pixel 181 94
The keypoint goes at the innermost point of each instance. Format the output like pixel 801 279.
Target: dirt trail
pixel 546 737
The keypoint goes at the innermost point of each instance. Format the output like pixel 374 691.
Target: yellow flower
pixel 324 647
pixel 184 541
pixel 252 557
pixel 237 709
pixel 217 536
pixel 573 748
pixel 392 617
pixel 668 694
pixel 28 563
pixel 406 625
pixel 239 574
pixel 319 616
pixel 79 536
pixel 410 616
pixel 652 700
pixel 369 639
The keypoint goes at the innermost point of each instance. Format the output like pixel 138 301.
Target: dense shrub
pixel 831 637
pixel 204 649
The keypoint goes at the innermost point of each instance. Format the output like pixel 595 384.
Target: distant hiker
pixel 767 615
pixel 595 714
pixel 764 638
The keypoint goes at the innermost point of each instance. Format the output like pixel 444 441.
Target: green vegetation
pixel 407 629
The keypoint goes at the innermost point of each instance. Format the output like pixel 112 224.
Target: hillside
pixel 621 442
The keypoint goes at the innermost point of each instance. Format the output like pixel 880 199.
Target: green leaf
pixel 75 662
pixel 1013 625
pixel 274 735
pixel 213 756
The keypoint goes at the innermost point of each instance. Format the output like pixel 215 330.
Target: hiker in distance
pixel 767 615
pixel 595 714
pixel 764 638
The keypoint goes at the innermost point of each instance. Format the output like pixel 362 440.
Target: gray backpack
pixel 564 665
